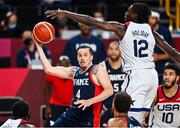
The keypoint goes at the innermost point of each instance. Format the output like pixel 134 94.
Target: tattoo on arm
pixel 95 69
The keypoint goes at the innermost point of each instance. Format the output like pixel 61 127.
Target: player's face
pixel 153 21
pixel 129 15
pixel 113 52
pixel 170 78
pixel 84 58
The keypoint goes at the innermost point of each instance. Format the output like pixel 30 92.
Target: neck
pixel 172 91
pixel 117 114
pixel 115 64
pixel 85 36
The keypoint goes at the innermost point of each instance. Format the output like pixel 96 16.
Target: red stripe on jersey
pixel 97 106
pixel 24 121
pixel 127 24
pixel 162 98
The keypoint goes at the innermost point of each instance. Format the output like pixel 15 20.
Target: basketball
pixel 43 32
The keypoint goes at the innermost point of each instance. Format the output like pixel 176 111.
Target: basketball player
pixel 91 86
pixel 113 66
pixel 137 41
pixel 166 110
pixel 121 105
pixel 20 117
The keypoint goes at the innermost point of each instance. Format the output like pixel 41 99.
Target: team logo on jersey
pixel 133 102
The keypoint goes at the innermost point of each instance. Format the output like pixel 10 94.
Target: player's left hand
pixel 83 103
pixel 55 13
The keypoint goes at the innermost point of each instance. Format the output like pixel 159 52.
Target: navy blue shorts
pixel 75 117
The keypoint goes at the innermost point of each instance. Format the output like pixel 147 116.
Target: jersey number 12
pixel 139 47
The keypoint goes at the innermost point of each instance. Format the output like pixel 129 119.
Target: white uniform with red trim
pixel 11 123
pixel 166 113
pixel 137 47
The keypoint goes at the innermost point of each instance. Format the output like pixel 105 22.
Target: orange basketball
pixel 43 32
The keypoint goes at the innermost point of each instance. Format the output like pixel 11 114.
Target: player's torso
pixel 167 110
pixel 137 47
pixel 84 87
pixel 116 76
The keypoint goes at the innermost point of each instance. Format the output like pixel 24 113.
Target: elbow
pixel 48 71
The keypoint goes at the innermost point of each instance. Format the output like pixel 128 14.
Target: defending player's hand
pixel 55 13
pixel 83 103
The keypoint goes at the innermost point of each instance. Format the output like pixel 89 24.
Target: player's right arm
pixel 59 71
pixel 116 27
pixel 172 53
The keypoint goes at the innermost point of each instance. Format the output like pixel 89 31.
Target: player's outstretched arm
pixel 172 53
pixel 87 20
pixel 59 71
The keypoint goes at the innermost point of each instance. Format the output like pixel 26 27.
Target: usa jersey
pixel 137 47
pixel 116 76
pixel 166 113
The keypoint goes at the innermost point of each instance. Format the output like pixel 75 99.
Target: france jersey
pixel 117 77
pixel 137 46
pixel 132 122
pixel 84 88
pixel 166 112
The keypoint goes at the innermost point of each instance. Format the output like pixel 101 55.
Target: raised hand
pixel 55 13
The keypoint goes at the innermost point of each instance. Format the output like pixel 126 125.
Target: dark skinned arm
pixel 116 27
pixel 161 43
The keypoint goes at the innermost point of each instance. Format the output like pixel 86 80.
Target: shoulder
pixel 97 68
pixel 74 69
pixel 115 122
pixel 22 52
pixel 102 63
pixel 74 38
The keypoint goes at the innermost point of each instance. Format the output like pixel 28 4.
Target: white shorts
pixel 142 86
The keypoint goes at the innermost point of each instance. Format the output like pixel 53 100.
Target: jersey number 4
pixel 78 94
pixel 139 47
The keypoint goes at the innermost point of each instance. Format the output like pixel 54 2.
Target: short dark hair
pixel 20 109
pixel 85 46
pixel 173 66
pixel 143 12
pixel 122 102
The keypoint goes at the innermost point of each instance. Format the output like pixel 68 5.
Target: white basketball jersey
pixel 137 47
pixel 166 113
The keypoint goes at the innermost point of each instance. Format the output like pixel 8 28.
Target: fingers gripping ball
pixel 43 32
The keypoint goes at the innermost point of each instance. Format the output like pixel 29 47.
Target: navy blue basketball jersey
pixel 132 122
pixel 117 77
pixel 85 88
